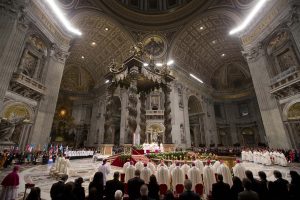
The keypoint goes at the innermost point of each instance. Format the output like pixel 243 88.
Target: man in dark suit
pixel 112 186
pixel 220 190
pixel 57 189
pixel 248 194
pixel 134 186
pixel 188 194
pixel 255 184
pixel 279 188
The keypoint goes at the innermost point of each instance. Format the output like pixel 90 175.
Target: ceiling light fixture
pixel 170 62
pixel 195 77
pixel 107 81
pixel 223 54
pixel 214 42
pixel 82 57
pixel 60 15
pixel 106 29
pixel 145 64
pixel 201 28
pixel 93 43
pixel 159 64
pixel 248 19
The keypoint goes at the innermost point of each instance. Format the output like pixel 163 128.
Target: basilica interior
pixel 88 73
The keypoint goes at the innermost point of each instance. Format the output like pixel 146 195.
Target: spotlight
pixel 223 54
pixel 159 64
pixel 195 77
pixel 82 57
pixel 60 15
pixel 170 62
pixel 107 81
pixel 248 19
pixel 145 64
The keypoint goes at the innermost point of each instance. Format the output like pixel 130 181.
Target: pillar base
pixel 107 149
pixel 169 147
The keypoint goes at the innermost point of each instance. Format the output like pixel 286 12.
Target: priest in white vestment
pixel 139 165
pixel 226 173
pixel 194 175
pixel 215 166
pixel 208 178
pixel 199 165
pixel 146 173
pixel 105 169
pixel 152 167
pixel 185 167
pixel 129 172
pixel 239 170
pixel 171 167
pixel 177 175
pixel 267 158
pixel 163 176
pixel 126 165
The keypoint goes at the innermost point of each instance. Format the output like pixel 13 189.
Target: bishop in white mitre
pixel 129 172
pixel 199 165
pixel 146 173
pixel 226 173
pixel 139 165
pixel 215 166
pixel 177 176
pixel 239 170
pixel 163 175
pixel 194 175
pixel 208 178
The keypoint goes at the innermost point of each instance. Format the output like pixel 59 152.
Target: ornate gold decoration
pixel 155 46
pixel 16 111
pixel 37 42
pixel 294 112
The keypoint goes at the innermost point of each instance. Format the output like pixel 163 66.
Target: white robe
pixel 152 167
pixel 177 177
pixel 239 171
pixel 129 173
pixel 208 179
pixel 105 169
pixel 199 165
pixel 172 166
pixel 267 158
pixel 145 174
pixel 215 166
pixel 163 176
pixel 225 172
pixel 194 175
pixel 185 168
pixel 125 166
pixel 139 165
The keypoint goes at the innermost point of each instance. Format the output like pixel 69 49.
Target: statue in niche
pixel 29 65
pixel 182 134
pixel 287 60
pixel 8 128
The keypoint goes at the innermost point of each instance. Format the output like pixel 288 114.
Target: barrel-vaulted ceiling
pixel 200 43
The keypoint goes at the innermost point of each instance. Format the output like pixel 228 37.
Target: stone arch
pixel 195 111
pixel 287 109
pixel 19 108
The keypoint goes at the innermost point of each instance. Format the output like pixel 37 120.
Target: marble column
pixel 124 114
pixel 143 118
pixel 132 112
pixel 108 124
pixel 270 112
pixel 167 115
pixel 47 105
pixel 13 27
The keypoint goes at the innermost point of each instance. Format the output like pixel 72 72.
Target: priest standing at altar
pixel 194 175
pixel 177 176
pixel 105 169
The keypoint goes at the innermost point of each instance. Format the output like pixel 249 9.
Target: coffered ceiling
pixel 199 42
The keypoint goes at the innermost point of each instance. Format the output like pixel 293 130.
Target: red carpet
pixel 116 160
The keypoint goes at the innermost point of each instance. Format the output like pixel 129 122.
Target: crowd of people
pixel 265 157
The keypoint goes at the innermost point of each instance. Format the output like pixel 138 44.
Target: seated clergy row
pixel 176 174
pixel 264 157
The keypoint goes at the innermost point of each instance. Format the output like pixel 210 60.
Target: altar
pixel 153 148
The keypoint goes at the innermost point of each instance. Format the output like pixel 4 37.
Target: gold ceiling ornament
pixel 294 112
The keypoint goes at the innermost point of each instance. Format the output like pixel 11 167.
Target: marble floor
pixel 86 169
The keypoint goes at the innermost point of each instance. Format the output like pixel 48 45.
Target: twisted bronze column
pixel 143 118
pixel 108 132
pixel 132 111
pixel 167 115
